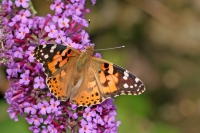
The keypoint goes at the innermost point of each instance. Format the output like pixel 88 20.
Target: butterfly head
pixel 89 50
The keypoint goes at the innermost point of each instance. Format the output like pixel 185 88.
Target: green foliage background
pixel 162 40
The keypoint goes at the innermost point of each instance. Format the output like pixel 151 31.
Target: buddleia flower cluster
pixel 28 96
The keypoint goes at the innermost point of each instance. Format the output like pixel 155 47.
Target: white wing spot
pixel 44 46
pixel 116 95
pixel 42 54
pixel 53 47
pixel 135 85
pixel 131 86
pixel 52 50
pixel 46 56
pixel 125 78
pixel 137 80
pixel 126 85
pixel 126 73
pixel 40 50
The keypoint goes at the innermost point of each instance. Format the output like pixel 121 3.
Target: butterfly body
pixel 83 79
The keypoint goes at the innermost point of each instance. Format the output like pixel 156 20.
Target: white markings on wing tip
pixel 125 78
pixel 129 93
pixel 116 95
pixel 126 75
pixel 44 46
pixel 131 86
pixel 46 56
pixel 134 93
pixel 53 47
pixel 135 85
pixel 137 80
pixel 125 85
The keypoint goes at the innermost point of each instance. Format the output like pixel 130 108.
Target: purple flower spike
pixel 28 94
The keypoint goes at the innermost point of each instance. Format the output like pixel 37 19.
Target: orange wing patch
pixel 57 87
pixel 89 96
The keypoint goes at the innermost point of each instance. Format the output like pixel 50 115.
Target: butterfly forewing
pixel 54 57
pixel 117 81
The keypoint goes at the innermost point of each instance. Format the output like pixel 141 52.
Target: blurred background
pixel 162 47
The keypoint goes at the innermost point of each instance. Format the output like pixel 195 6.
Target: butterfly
pixel 83 79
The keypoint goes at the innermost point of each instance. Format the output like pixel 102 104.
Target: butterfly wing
pixel 58 62
pixel 103 80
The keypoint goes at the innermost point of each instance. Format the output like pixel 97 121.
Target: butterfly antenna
pixel 109 48
pixel 89 26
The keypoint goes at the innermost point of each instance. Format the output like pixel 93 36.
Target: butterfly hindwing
pixel 88 92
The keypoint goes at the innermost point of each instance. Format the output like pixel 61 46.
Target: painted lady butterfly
pixel 83 79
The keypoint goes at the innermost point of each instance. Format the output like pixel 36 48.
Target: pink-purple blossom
pixel 63 22
pixel 23 3
pixel 57 6
pixel 51 30
pixel 39 82
pixel 29 108
pixel 21 32
pixel 44 107
pixel 25 78
pixel 23 16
